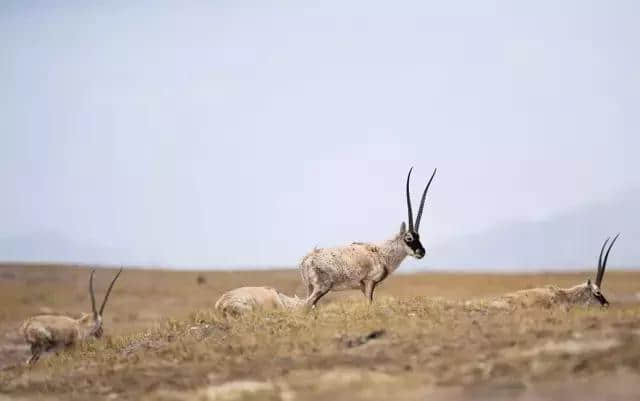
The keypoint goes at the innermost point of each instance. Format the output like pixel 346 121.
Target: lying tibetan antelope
pixel 51 332
pixel 362 265
pixel 586 294
pixel 245 299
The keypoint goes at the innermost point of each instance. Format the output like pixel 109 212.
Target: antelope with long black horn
pixel 585 294
pixel 363 265
pixel 51 332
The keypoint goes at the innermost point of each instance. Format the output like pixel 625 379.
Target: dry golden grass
pixel 164 341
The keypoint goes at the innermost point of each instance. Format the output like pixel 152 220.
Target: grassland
pixel 426 336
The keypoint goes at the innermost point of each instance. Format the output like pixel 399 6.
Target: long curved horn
pixel 606 257
pixel 424 197
pixel 104 302
pixel 410 218
pixel 600 272
pixel 93 297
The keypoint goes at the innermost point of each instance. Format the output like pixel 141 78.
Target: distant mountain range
pixel 570 240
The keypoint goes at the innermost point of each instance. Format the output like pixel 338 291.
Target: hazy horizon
pixel 211 135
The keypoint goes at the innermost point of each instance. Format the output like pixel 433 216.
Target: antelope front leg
pixel 310 303
pixel 35 355
pixel 369 286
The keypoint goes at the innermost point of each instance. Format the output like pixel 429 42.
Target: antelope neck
pixel 392 252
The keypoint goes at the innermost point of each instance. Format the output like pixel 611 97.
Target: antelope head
pixel 95 321
pixel 410 236
pixel 594 287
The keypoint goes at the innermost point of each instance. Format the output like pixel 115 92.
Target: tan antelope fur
pixel 52 332
pixel 245 299
pixel 362 265
pixel 586 294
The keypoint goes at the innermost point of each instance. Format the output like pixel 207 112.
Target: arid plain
pixel 427 336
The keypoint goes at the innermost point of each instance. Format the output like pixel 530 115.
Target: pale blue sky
pixel 200 134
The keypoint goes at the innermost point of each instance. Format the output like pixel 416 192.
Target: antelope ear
pixel 85 317
pixel 403 228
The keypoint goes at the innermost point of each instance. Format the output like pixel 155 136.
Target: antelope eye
pixel 408 238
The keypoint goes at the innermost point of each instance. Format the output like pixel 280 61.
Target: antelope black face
pixel 412 241
pixel 410 237
pixel 97 329
pixel 602 265
pixel 97 316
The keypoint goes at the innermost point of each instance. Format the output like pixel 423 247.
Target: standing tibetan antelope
pixel 586 294
pixel 362 265
pixel 245 299
pixel 52 332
